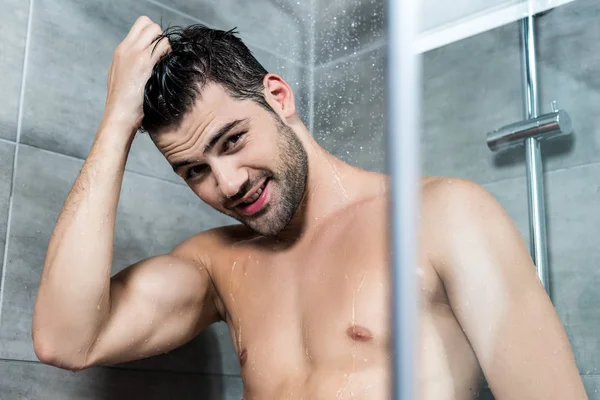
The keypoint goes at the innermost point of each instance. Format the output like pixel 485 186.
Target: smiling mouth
pixel 255 196
pixel 255 203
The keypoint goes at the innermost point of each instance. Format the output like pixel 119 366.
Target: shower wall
pixel 335 63
pixel 53 84
pixel 474 86
pixel 349 60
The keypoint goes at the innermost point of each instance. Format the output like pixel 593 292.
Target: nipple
pixel 243 357
pixel 359 333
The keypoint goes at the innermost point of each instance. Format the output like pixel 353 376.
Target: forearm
pixel 73 299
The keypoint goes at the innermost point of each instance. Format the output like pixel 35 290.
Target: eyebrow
pixel 213 141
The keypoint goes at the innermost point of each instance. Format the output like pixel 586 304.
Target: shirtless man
pixel 303 282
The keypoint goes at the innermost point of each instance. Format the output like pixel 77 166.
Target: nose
pixel 229 178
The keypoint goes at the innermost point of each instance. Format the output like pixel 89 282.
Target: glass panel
pixel 473 84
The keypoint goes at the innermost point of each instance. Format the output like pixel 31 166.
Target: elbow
pixel 44 352
pixel 49 354
pixel 52 347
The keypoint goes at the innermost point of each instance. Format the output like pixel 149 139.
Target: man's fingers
pixel 148 35
pixel 160 49
pixel 139 25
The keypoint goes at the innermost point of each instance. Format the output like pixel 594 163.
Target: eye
pixel 195 170
pixel 232 141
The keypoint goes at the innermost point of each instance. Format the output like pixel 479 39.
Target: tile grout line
pixel 56 153
pixel 7 141
pixel 128 171
pixel 250 42
pixel 544 172
pixel 311 62
pixel 547 172
pixel 130 369
pixel 16 154
pixel 367 49
pixel 127 369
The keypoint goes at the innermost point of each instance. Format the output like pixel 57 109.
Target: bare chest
pixel 323 304
pixel 321 313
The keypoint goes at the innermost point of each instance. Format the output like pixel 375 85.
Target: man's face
pixel 240 159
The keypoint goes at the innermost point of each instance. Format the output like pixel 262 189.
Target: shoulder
pixel 208 250
pixel 205 248
pixel 460 218
pixel 439 187
pixel 450 198
pixel 453 210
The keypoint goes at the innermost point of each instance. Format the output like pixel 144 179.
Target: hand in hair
pixel 131 68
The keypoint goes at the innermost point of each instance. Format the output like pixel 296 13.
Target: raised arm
pixel 156 305
pixel 81 316
pixel 496 295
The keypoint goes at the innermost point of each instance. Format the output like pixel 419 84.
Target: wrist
pixel 121 120
pixel 117 133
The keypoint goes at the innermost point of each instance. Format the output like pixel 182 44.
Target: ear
pixel 279 95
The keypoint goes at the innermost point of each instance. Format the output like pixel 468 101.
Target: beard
pixel 287 185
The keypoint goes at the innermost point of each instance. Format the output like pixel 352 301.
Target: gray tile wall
pixel 27 380
pixel 13 30
pixel 70 46
pixel 349 82
pixel 344 27
pixel 67 69
pixel 7 153
pixel 279 26
pixel 349 109
pixel 469 88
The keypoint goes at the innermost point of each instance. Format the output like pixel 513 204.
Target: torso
pixel 311 321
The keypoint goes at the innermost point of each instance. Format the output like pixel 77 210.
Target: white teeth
pixel 254 197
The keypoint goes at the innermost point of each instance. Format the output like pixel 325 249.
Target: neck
pixel 331 186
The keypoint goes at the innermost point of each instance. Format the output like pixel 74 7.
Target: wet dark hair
pixel 199 56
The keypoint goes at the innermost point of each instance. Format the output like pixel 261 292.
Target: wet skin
pixel 307 309
pixel 307 299
pixel 311 321
pixel 303 282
